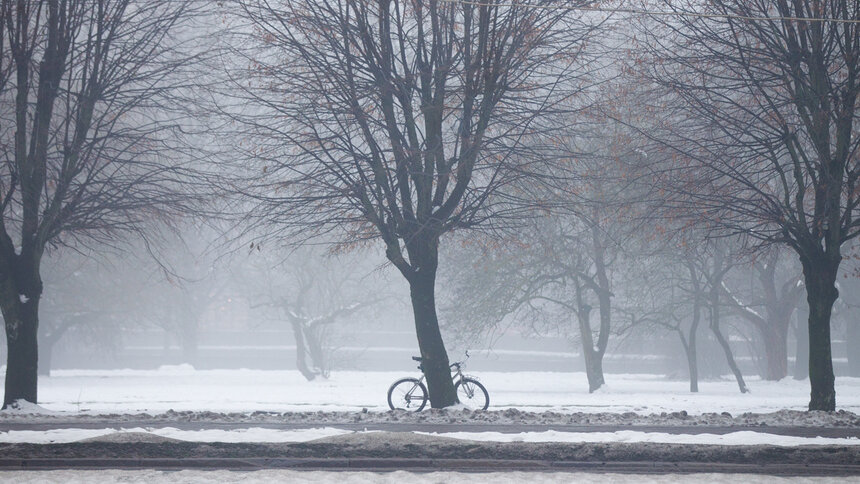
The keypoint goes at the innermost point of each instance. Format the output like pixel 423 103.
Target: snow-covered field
pixel 182 393
pixel 183 388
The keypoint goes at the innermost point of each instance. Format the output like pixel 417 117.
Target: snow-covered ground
pixel 182 388
pixel 255 397
pixel 304 477
pixel 257 434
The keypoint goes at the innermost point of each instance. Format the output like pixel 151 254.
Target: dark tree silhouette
pixel 397 120
pixel 87 146
pixel 760 118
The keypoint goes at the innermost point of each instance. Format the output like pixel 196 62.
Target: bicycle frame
pixel 409 390
pixel 456 374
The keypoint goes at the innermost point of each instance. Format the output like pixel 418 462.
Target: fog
pixel 192 302
pixel 291 186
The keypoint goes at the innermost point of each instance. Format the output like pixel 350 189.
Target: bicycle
pixel 411 393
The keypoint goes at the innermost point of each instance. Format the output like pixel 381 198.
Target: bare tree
pixel 716 267
pixel 677 302
pixel 778 295
pixel 396 120
pixel 696 287
pixel 315 292
pixel 760 117
pixel 556 274
pixel 690 337
pixel 87 141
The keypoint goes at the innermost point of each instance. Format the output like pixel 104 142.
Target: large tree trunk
pixel 422 289
pixel 821 293
pixel 301 350
pixel 592 356
pixel 309 346
pixel 434 356
pixel 22 363
pixel 594 370
pixel 314 341
pixel 776 350
pixel 780 302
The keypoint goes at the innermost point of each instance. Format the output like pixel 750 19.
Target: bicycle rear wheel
pixel 407 394
pixel 472 394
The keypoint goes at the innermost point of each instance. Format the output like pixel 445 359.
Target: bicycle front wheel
pixel 407 394
pixel 472 394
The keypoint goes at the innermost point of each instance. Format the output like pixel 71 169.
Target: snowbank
pixel 267 435
pixel 23 407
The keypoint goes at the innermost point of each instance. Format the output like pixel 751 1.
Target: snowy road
pixel 397 477
pixel 382 451
pixel 488 467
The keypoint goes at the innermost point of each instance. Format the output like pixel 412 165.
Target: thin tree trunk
pixel 821 293
pixel 690 346
pixel 604 300
pixel 690 343
pixel 801 335
pixel 716 281
pixel 730 359
pixel 691 361
pixel 693 366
